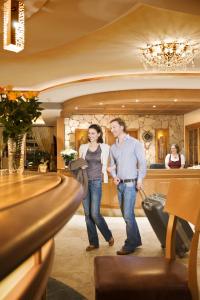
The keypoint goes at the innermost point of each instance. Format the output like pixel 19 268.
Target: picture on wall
pixel 162 144
pixel 81 137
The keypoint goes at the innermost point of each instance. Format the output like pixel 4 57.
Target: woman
pixel 96 154
pixel 175 160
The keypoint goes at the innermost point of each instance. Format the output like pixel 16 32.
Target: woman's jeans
pixel 126 196
pixel 93 218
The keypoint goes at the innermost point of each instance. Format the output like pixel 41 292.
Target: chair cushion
pixel 140 278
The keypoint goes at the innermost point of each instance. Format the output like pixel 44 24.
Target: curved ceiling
pixel 82 47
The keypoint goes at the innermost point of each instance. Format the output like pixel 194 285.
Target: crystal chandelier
pixel 13 25
pixel 169 55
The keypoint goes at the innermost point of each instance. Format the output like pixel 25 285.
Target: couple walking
pixel 127 167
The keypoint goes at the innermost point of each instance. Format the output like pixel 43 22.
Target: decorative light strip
pixel 13 25
pixel 169 55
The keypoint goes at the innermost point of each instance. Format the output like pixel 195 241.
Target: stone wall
pixel 175 123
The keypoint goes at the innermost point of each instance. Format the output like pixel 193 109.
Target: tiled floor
pixel 74 266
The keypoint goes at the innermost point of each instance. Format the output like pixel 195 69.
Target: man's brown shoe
pixel 111 242
pixel 123 251
pixel 91 247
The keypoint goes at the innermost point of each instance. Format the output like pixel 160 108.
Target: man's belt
pixel 127 180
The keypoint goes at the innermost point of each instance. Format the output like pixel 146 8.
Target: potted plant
pixel 68 155
pixel 18 111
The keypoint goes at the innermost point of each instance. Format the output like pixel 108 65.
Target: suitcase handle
pixel 142 194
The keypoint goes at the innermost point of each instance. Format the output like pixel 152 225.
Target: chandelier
pixel 169 55
pixel 13 25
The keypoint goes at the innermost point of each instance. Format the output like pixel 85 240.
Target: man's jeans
pixel 126 196
pixel 93 218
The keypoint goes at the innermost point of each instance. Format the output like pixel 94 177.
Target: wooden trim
pixel 187 129
pixel 192 267
pixel 170 238
pixel 194 125
pixel 60 129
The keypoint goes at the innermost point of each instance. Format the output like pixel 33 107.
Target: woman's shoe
pixel 91 247
pixel 111 242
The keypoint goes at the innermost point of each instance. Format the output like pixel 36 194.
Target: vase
pixel 16 148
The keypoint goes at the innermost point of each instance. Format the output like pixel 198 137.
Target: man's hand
pixel 139 185
pixel 116 180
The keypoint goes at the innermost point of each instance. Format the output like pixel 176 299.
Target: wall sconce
pixel 13 25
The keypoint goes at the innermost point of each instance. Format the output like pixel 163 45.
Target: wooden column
pixel 60 130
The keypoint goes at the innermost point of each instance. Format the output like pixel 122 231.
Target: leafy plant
pixel 68 155
pixel 17 113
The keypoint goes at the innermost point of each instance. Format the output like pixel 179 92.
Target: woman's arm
pixel 80 151
pixel 182 161
pixel 167 161
pixel 105 153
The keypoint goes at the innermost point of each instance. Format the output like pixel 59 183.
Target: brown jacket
pixel 78 169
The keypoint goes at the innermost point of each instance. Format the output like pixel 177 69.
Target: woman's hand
pixel 116 180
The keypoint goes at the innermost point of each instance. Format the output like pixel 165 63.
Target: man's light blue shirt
pixel 127 159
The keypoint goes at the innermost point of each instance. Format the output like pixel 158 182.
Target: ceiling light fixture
pixel 100 103
pixel 154 106
pixel 175 100
pixel 137 100
pixel 13 25
pixel 123 106
pixel 169 55
pixel 76 107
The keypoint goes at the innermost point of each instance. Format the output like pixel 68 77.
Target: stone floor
pixel 74 266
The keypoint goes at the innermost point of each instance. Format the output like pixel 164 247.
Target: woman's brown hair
pixel 98 130
pixel 177 148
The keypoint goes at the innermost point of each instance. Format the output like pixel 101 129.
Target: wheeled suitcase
pixel 153 206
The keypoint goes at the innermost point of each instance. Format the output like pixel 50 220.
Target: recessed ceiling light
pixel 76 107
pixel 123 106
pixel 175 100
pixel 137 100
pixel 100 103
pixel 154 106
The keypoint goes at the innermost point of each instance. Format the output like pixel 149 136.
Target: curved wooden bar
pixel 32 210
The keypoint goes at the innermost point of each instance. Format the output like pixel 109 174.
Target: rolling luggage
pixel 153 206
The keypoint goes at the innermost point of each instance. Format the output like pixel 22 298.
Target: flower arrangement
pixel 68 155
pixel 18 111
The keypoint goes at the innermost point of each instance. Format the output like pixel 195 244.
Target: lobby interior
pixel 87 61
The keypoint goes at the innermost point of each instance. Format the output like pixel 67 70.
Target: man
pixel 128 168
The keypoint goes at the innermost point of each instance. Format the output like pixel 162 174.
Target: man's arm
pixel 142 168
pixel 112 168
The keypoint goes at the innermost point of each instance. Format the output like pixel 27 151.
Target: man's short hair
pixel 120 122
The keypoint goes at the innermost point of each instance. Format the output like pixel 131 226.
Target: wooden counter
pixel 156 181
pixel 33 208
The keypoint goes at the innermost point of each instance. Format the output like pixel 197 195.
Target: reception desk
pixel 33 208
pixel 156 181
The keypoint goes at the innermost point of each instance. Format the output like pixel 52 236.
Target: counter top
pixel 173 173
pixel 33 208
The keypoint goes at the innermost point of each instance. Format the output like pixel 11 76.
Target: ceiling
pixel 145 101
pixel 89 48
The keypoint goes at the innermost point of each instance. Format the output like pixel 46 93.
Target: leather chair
pixel 156 278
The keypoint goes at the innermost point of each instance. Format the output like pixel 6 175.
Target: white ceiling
pixel 81 47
